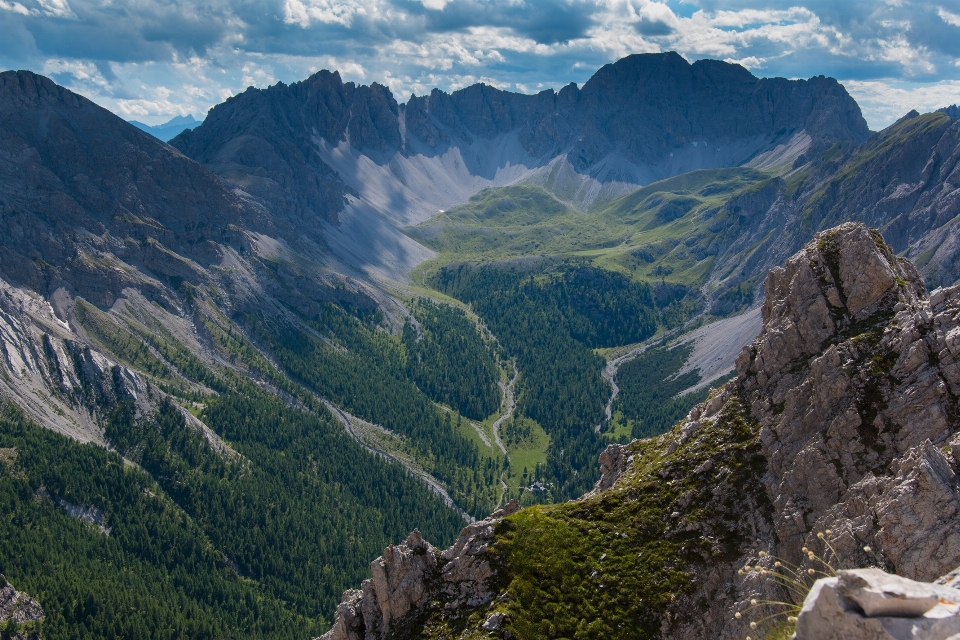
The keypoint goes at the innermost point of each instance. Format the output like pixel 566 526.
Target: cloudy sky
pixel 150 60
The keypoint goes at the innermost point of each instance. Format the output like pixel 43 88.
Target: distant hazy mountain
pixel 170 129
pixel 953 111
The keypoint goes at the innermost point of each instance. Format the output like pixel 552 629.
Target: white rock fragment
pixel 493 622
pixel 880 594
pixel 870 604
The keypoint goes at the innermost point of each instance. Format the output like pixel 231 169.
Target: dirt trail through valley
pixel 716 347
pixel 511 404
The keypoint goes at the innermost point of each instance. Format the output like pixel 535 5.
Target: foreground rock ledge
pixel 870 604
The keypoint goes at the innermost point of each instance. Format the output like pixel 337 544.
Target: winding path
pixel 510 399
pixel 609 373
pixel 347 421
pixel 511 404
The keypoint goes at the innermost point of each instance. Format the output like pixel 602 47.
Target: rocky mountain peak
pixel 953 111
pixel 854 381
pixel 82 185
pixel 845 277
pixel 413 574
pixel 312 148
pixel 633 105
pixel 374 124
pixel 25 89
pixel 634 77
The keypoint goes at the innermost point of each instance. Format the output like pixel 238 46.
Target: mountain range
pixel 321 318
pixel 169 129
pixel 354 159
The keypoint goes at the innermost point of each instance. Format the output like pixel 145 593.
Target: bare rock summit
pixel 854 382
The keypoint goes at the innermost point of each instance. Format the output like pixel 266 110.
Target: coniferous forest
pixel 199 542
pixel 366 371
pixel 550 318
pixel 256 527
pixel 449 360
pixel 648 393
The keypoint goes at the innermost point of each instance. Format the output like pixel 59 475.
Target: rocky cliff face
pixel 264 140
pixel 643 108
pixel 953 111
pixel 854 383
pixel 843 419
pixel 86 198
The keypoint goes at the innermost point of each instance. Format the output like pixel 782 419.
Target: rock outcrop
pixel 869 604
pixel 18 612
pixel 613 462
pixel 854 381
pixel 399 584
pixel 953 111
pixel 412 577
pixel 854 386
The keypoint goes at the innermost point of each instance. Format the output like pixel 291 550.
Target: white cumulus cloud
pixel 948 17
pixel 158 58
pixel 306 12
